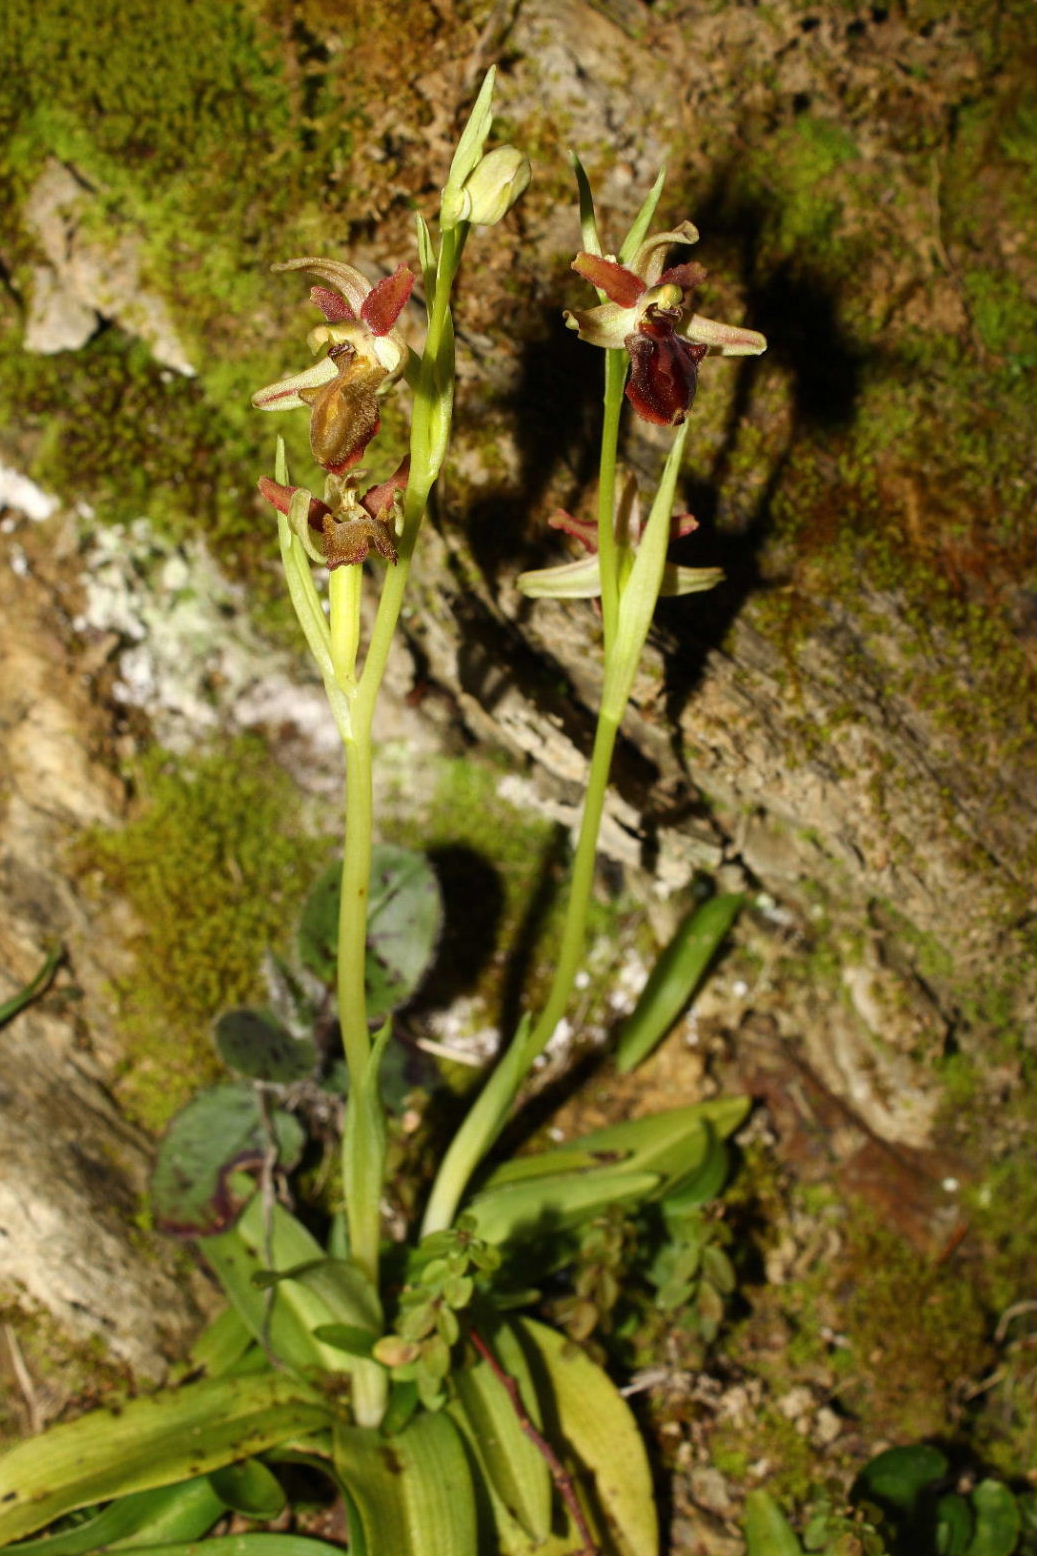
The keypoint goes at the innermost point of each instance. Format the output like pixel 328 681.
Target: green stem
pixel 363 1145
pixel 623 649
pixel 352 922
pixel 615 379
pixel 487 1116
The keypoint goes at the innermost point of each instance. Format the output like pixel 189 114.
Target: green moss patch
pixel 215 868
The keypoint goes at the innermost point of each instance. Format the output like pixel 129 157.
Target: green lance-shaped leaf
pixel 180 1512
pixel 170 1436
pixel 256 1044
pixel 592 1428
pixel 671 1144
pixel 767 1530
pixel 678 1154
pixel 405 918
pixel 998 1522
pixel 547 1205
pixel 514 1470
pixel 221 1130
pixel 674 979
pixel 412 1494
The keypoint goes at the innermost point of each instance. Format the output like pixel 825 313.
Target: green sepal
pixel 169 1436
pixel 412 1493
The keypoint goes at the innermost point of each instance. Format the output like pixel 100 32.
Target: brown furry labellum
pixel 348 542
pixel 344 415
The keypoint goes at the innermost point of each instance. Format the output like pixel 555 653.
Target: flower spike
pixel 365 356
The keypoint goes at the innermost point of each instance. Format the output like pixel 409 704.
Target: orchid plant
pixel 406 1375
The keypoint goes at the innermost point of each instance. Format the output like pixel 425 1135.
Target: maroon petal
pixel 583 530
pixel 663 375
pixel 281 497
pixel 683 524
pixel 378 501
pixel 332 305
pixel 619 284
pixel 687 277
pixel 385 302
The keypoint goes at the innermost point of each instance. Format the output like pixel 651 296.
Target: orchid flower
pixel 646 314
pixel 345 530
pixel 581 580
pixel 365 355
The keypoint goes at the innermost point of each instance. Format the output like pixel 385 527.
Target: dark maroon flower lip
pixel 648 313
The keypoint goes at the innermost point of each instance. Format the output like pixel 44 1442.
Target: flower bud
pixel 490 190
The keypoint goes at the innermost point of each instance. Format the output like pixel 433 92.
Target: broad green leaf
pixel 305 1293
pixel 674 979
pixel 998 1522
pixel 170 1436
pixel 584 1416
pixel 249 1488
pixel 208 1141
pixel 512 1466
pixel 897 1477
pixel 243 1545
pixel 221 1345
pixel 767 1530
pixel 181 1512
pixel 413 1492
pixel 403 927
pixel 256 1044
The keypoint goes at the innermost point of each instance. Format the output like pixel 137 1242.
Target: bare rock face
pixel 72 1171
pixel 88 277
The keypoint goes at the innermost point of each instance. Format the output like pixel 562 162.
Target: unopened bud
pixel 490 190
